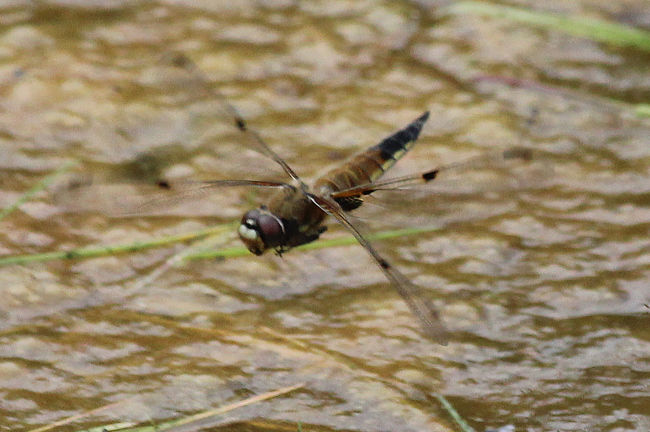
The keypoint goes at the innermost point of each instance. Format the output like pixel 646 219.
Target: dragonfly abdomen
pixel 370 165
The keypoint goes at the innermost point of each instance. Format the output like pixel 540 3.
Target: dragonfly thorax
pixel 261 230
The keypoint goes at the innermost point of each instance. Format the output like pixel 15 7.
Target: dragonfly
pixel 296 214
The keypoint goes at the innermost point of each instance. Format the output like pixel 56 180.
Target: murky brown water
pixel 545 290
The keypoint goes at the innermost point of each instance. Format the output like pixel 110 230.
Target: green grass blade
pixel 231 252
pixel 99 251
pixel 642 110
pixel 598 30
pixel 453 413
pixel 36 189
pixel 320 244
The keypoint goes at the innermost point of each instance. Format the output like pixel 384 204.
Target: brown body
pixel 294 217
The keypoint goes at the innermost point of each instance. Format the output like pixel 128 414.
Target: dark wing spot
pixel 428 176
pixel 163 184
pixel 241 125
pixel 349 203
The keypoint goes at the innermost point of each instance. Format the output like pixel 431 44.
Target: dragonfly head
pixel 261 230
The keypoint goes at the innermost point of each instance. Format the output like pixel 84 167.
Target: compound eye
pixel 270 229
pixel 261 230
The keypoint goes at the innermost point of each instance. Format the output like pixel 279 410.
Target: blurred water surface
pixel 545 289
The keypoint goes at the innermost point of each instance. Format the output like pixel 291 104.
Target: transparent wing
pixel 487 161
pixel 197 83
pixel 125 194
pixel 413 295
pixel 124 199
